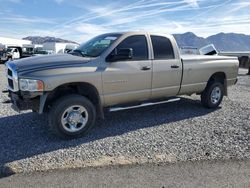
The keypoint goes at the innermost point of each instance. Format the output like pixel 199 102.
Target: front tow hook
pixel 5 91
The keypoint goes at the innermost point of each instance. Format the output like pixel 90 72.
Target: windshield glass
pixel 9 49
pixel 97 45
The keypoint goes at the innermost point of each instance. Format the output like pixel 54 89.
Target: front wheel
pixel 212 96
pixel 72 116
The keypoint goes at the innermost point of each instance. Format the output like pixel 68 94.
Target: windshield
pixel 97 45
pixel 9 49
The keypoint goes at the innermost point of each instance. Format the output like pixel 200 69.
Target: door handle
pixel 145 68
pixel 175 66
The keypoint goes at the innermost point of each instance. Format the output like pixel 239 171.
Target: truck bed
pixel 206 57
pixel 198 68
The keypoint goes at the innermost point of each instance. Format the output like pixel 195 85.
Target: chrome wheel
pixel 216 95
pixel 74 118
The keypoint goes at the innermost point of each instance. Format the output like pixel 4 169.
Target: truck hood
pixel 49 61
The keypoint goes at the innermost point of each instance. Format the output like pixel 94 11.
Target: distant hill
pixel 190 39
pixel 230 41
pixel 222 41
pixel 41 40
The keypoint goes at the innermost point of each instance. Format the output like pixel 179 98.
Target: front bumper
pixel 20 104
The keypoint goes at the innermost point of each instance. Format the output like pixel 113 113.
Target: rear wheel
pixel 212 96
pixel 72 116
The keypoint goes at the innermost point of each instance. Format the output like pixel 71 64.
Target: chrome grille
pixel 12 77
pixel 10 83
pixel 10 73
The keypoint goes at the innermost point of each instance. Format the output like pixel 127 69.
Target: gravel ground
pixel 179 131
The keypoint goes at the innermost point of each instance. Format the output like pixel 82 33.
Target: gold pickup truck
pixel 115 71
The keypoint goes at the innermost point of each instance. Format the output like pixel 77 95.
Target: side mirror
pixel 120 55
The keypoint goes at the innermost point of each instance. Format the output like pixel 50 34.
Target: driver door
pixel 126 81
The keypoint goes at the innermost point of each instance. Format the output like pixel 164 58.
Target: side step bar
pixel 114 109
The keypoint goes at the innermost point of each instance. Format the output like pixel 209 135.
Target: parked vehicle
pixel 12 48
pixel 14 52
pixel 243 56
pixel 3 56
pixel 115 71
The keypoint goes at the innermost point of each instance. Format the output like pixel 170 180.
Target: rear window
pixel 162 47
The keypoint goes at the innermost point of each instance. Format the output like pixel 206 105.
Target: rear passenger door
pixel 167 68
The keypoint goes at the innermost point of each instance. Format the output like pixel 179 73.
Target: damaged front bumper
pixel 19 103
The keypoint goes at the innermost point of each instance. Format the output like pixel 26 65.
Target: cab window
pixel 162 47
pixel 138 43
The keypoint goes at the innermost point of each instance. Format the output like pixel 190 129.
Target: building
pixel 4 41
pixel 58 47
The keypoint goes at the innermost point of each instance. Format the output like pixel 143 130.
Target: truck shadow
pixel 26 135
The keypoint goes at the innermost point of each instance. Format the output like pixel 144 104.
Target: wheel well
pixel 218 76
pixel 85 89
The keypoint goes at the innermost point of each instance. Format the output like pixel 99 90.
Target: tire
pixel 212 96
pixel 72 116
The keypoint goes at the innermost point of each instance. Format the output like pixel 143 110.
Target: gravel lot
pixel 178 131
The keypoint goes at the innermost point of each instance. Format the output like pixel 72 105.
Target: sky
pixel 79 20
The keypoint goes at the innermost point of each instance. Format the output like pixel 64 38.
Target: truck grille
pixel 12 77
pixel 10 73
pixel 10 84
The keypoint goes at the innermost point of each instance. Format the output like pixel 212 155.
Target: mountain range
pixel 41 40
pixel 222 41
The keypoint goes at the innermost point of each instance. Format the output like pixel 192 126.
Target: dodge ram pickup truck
pixel 114 71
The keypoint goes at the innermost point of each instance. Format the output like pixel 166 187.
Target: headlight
pixel 30 85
